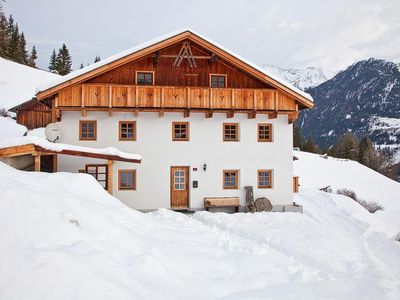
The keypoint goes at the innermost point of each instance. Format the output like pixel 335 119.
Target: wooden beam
pixel 17 150
pixel 186 113
pixel 292 117
pixel 110 176
pixel 230 114
pixel 37 163
pixel 251 115
pixel 55 163
pixel 83 113
pixel 272 115
pixel 209 114
pixel 109 96
pixel 53 115
pixel 161 114
pixel 194 56
pixel 110 112
pixel 82 96
pixel 136 113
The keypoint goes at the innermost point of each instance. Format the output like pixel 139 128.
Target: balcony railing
pixel 134 96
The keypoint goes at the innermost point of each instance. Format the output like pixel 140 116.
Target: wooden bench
pixel 214 202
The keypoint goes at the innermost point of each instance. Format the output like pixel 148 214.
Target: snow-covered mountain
pixel 364 99
pixel 18 82
pixel 300 78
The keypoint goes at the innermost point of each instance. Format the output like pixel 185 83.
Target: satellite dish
pixel 53 132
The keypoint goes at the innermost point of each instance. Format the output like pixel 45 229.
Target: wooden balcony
pixel 123 97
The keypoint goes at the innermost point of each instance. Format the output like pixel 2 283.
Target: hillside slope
pixel 316 172
pixel 18 82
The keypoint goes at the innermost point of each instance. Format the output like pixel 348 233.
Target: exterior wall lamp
pixel 205 167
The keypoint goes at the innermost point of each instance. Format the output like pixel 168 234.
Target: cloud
pixel 287 33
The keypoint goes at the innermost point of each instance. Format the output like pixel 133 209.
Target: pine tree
pixel 64 61
pixel 364 151
pixel 14 44
pixel 347 146
pixel 297 138
pixel 309 146
pixel 22 54
pixel 32 58
pixel 53 62
pixel 96 59
pixel 10 25
pixel 3 33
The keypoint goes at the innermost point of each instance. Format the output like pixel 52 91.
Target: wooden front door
pixel 179 187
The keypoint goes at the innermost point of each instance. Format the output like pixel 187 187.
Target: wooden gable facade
pixel 181 69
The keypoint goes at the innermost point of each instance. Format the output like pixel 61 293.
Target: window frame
pixel 120 131
pixel 237 138
pixel 270 186
pixel 236 186
pixel 219 75
pixel 174 139
pixel 261 140
pixel 146 72
pixel 134 173
pixel 81 122
pixel 97 173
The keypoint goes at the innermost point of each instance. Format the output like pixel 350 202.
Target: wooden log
pixel 250 199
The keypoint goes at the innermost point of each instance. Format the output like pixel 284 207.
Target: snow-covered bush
pixel 348 193
pixel 371 206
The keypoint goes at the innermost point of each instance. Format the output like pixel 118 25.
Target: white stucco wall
pixel 159 153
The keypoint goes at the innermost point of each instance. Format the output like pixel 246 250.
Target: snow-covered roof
pixel 18 82
pixel 58 147
pixel 137 48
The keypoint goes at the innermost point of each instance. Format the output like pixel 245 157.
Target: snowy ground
pixel 64 237
pixel 10 129
pixel 18 82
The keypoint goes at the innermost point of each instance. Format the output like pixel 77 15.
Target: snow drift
pixel 64 237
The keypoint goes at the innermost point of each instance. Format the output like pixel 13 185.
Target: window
pixel 145 78
pixel 100 172
pixel 264 179
pixel 127 179
pixel 231 132
pixel 180 131
pixel 127 131
pixel 265 132
pixel 218 81
pixel 231 179
pixel 87 130
pixel 179 180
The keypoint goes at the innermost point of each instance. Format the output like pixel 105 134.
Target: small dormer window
pixel 144 78
pixel 218 80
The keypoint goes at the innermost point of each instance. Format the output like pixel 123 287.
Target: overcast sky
pixel 285 33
